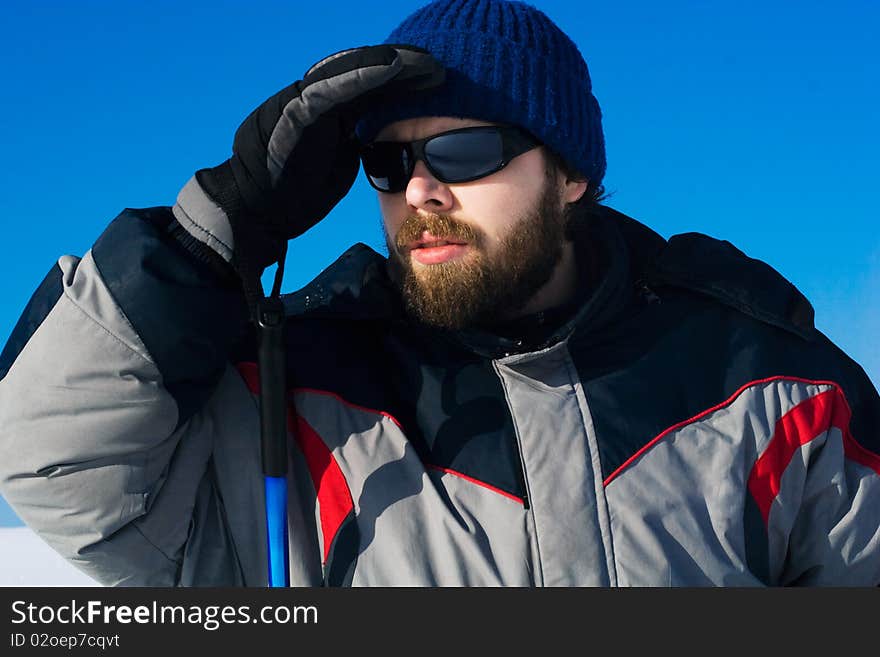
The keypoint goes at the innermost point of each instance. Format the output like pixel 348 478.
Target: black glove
pixel 295 156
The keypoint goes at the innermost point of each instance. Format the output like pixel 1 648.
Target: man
pixel 532 389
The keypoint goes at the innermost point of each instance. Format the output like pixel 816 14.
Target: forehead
pixel 424 126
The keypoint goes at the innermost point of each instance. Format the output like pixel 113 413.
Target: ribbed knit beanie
pixel 506 62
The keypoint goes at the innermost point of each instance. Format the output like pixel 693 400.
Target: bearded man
pixel 532 389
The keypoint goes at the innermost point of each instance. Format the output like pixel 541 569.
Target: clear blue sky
pixel 755 122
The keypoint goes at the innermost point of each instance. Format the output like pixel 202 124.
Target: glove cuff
pixel 204 219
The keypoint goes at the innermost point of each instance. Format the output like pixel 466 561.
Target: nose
pixel 425 192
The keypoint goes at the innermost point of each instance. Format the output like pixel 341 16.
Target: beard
pixel 480 289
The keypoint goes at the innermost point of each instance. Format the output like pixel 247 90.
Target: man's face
pixel 472 253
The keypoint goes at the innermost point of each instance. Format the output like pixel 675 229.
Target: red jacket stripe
pixel 334 496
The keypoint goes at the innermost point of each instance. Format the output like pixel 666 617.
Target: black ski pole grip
pixel 273 391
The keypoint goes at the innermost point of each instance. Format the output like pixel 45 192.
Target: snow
pixel 26 560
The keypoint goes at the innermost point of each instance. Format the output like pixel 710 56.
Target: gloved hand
pixel 296 155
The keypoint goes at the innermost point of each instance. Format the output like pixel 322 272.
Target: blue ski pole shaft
pixel 273 432
pixel 276 530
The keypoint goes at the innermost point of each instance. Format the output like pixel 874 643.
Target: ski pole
pixel 273 435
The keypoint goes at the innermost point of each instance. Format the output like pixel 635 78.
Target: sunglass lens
pixel 462 156
pixel 387 164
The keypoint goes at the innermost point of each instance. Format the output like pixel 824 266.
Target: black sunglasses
pixel 456 156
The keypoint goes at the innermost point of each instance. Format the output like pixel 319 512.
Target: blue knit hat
pixel 506 62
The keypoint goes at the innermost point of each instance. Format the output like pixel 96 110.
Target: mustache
pixel 441 225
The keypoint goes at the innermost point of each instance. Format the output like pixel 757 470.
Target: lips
pixel 431 250
pixel 429 241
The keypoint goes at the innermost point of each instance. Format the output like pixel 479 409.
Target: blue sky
pixel 750 121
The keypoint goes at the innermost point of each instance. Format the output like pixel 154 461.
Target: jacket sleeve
pixel 102 449
pixel 820 478
pixel 816 482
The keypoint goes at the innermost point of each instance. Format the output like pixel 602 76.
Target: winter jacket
pixel 688 426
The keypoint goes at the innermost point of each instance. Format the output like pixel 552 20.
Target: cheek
pixel 494 210
pixel 393 212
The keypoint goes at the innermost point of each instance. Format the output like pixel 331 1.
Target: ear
pixel 574 190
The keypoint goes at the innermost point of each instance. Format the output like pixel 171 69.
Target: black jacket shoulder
pixel 716 268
